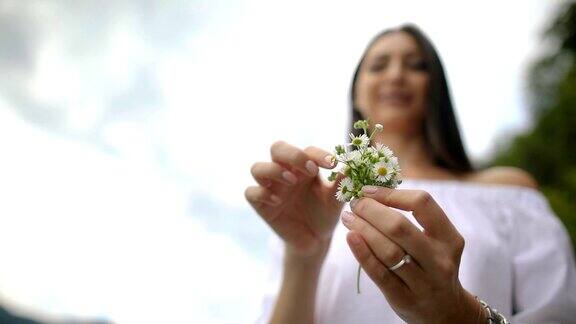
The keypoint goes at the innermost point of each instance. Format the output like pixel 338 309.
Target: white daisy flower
pixel 359 141
pixel 383 171
pixel 383 150
pixel 347 183
pixel 345 190
pixel 395 167
pixel 394 161
pixel 342 197
pixel 353 156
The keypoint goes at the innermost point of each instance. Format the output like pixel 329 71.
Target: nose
pixel 395 72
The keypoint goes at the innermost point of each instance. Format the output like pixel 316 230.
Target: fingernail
pixel 353 202
pixel 290 177
pixel 347 218
pixel 311 167
pixel 369 189
pixel 329 160
pixel 275 199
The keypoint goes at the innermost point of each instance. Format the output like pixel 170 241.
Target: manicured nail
pixel 275 199
pixel 312 168
pixel 369 189
pixel 329 160
pixel 347 218
pixel 290 177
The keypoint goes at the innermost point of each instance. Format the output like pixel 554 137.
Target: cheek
pixel 365 89
pixel 421 87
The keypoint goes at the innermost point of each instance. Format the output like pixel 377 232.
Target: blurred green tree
pixel 548 150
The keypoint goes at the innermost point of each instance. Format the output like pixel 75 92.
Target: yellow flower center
pixel 382 171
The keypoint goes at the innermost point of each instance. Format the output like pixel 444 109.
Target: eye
pixel 377 66
pixel 418 65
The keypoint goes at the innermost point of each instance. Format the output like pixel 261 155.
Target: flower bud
pixel 361 124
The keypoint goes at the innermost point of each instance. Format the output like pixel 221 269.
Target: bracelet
pixel 494 317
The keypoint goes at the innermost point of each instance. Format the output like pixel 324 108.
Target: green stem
pixel 358 279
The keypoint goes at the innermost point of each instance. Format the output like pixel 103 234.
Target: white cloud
pixel 85 234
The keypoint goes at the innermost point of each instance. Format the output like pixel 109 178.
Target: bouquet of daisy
pixel 364 165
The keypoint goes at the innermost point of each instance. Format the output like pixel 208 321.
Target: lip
pixel 395 98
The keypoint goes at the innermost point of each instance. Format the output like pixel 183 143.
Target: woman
pixel 410 241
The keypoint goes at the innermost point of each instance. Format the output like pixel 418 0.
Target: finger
pixel 288 155
pixel 267 205
pixel 263 172
pixel 396 227
pixel 260 197
pixel 321 157
pixel 422 205
pixel 388 252
pixel 386 280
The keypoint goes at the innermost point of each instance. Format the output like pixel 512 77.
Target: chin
pixel 398 123
pixel 389 118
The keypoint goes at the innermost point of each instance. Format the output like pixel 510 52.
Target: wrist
pixel 310 260
pixel 468 310
pixel 473 311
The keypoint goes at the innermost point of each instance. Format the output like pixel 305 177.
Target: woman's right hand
pixel 294 200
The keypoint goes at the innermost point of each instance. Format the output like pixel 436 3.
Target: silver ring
pixel 405 259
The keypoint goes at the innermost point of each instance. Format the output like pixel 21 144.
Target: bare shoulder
pixel 505 176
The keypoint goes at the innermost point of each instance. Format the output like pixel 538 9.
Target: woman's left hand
pixel 426 289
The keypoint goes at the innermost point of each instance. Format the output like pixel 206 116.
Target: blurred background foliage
pixel 548 149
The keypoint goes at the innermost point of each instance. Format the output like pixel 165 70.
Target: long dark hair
pixel 440 127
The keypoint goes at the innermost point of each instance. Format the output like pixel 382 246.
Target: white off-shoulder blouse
pixel 518 258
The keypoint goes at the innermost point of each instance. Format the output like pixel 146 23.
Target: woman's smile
pixel 395 98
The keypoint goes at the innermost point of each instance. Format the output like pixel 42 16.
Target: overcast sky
pixel 129 127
